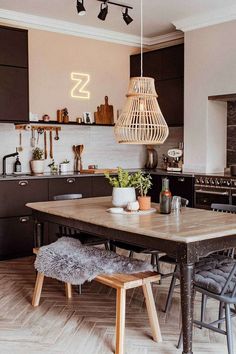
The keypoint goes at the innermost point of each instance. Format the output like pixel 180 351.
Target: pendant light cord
pixel 141 38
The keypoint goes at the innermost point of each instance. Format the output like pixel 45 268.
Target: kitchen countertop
pixel 158 172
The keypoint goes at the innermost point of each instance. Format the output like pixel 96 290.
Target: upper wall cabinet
pixel 166 66
pixel 14 47
pixel 14 85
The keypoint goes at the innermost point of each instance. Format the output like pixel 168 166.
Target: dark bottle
pixel 165 197
pixel 17 165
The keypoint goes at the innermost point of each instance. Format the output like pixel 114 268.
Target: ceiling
pixel 158 14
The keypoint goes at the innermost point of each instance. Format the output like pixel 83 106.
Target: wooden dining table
pixel 187 236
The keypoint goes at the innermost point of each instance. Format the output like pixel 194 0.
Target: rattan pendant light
pixel 141 121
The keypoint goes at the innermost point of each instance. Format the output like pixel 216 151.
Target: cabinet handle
pixel 70 180
pixel 181 179
pixel 24 219
pixel 23 183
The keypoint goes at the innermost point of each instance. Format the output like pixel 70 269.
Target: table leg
pixel 38 234
pixel 187 298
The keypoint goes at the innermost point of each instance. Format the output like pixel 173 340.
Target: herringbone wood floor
pixel 85 324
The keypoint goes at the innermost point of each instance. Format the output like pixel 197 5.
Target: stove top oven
pixel 208 190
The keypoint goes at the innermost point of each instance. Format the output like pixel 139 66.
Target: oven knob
pixel 202 181
pixel 212 182
pixel 228 183
pixel 217 182
pixel 207 181
pixel 197 181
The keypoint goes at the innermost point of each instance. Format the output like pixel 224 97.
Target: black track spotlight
pixel 103 11
pixel 127 17
pixel 80 7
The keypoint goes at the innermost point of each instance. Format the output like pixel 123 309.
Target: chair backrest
pixel 67 196
pixel 230 278
pixel 184 202
pixel 224 208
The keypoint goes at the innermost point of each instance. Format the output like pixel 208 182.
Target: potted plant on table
pixel 143 183
pixel 123 188
pixel 37 162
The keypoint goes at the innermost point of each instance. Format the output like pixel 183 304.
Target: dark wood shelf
pixel 52 122
pixel 225 98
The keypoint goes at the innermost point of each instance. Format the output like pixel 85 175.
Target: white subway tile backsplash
pixel 100 147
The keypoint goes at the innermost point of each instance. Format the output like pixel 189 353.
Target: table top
pixel 190 225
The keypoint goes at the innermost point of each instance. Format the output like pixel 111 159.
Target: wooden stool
pixel 120 282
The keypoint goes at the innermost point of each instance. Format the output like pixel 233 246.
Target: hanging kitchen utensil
pixel 51 144
pixel 57 134
pixel 20 148
pixel 32 141
pixel 40 132
pixel 45 145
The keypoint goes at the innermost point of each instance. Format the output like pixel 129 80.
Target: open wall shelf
pixel 52 122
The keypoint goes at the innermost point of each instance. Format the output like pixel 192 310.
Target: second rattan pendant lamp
pixel 141 121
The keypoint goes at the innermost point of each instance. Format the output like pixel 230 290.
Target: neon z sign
pixel 82 81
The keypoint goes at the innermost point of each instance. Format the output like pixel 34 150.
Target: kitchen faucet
pixel 4 162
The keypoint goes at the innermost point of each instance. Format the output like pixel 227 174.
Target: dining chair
pixel 84 238
pixel 155 254
pixel 215 278
pixel 175 276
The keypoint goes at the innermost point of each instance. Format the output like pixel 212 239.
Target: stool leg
pixel 37 289
pixel 120 320
pixel 152 312
pixel 68 289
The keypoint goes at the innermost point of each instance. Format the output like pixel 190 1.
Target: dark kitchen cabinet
pixel 14 47
pixel 166 66
pixel 101 187
pixel 173 90
pixel 70 185
pixel 14 90
pixel 14 105
pixel 16 237
pixel 15 194
pixel 179 185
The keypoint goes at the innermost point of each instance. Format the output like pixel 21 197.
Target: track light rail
pixel 117 4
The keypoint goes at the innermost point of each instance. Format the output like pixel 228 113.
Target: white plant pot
pixel 37 166
pixel 63 167
pixel 122 196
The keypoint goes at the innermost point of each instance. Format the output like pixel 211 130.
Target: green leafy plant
pixel 142 182
pixel 38 154
pixel 53 167
pixel 123 180
pixel 65 161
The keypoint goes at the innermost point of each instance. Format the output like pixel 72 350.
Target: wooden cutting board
pixel 97 170
pixel 104 114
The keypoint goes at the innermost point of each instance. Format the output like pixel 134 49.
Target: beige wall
pixel 52 58
pixel 210 69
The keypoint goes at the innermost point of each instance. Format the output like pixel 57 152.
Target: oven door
pixel 205 197
pixel 233 195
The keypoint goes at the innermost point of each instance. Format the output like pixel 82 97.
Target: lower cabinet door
pixel 101 187
pixel 70 185
pixel 16 237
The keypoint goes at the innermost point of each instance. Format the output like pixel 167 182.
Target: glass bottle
pixel 165 197
pixel 17 165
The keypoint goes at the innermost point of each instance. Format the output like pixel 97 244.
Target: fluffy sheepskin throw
pixel 71 262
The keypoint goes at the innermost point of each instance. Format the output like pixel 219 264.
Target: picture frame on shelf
pixel 88 118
